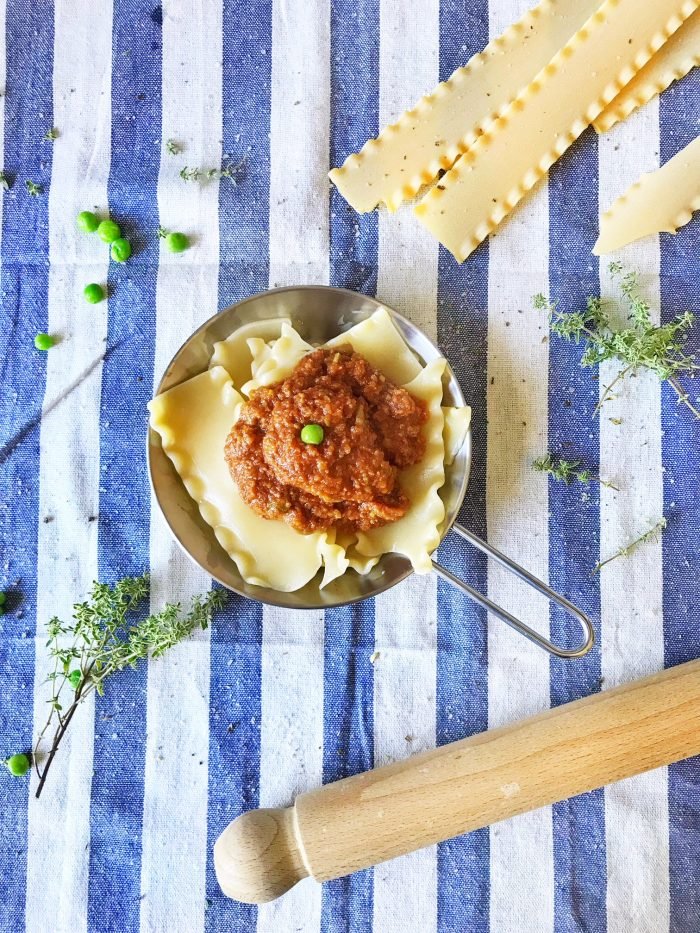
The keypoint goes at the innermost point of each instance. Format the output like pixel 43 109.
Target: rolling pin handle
pixel 258 857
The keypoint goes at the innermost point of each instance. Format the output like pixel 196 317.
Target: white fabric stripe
pixel 405 889
pixel 291 741
pixel 299 141
pixel 632 587
pixel 522 861
pixel 522 865
pixel 409 66
pixel 59 822
pixel 175 791
pixel 517 520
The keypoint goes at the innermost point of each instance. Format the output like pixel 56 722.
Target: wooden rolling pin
pixel 366 819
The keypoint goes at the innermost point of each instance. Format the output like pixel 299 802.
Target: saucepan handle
pixel 587 628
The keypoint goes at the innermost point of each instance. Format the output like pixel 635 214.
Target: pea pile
pixel 120 250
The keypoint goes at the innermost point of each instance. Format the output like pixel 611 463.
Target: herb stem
pixel 627 550
pixel 606 396
pixel 682 395
pixel 58 735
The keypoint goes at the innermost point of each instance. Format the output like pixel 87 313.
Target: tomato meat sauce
pixel 350 480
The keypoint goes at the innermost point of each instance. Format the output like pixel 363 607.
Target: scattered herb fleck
pixel 639 345
pixel 566 471
pixel 33 188
pixel 51 134
pixel 5 181
pixel 105 637
pixel 172 147
pixel 625 551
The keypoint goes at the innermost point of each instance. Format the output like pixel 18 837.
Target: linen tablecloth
pixel 271 702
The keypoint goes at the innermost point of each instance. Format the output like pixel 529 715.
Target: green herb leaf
pixel 639 345
pixel 172 147
pixel 190 174
pixel 33 188
pixel 5 181
pixel 51 134
pixel 567 471
pixel 232 171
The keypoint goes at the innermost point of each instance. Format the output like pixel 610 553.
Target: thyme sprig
pixel 231 170
pixel 639 345
pixel 105 637
pixel 567 471
pixel 628 548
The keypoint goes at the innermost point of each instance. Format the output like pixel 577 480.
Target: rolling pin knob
pixel 258 856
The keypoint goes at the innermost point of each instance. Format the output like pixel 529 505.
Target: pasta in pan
pixel 195 418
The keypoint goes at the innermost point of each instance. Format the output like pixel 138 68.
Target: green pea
pixel 74 678
pixel 121 250
pixel 93 293
pixel 311 434
pixel 108 231
pixel 44 341
pixel 176 242
pixel 17 764
pixel 88 221
pixel 3 598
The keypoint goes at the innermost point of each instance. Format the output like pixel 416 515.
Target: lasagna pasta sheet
pixel 517 149
pixel 660 201
pixel 235 354
pixel 674 60
pixel 194 419
pixel 445 123
pixel 416 535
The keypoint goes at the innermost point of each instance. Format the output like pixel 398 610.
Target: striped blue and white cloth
pixel 271 702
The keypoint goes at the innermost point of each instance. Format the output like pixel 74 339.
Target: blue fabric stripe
pixel 116 807
pixel 462 685
pixel 24 281
pixel 462 638
pixel 354 119
pixel 348 721
pixel 574 527
pixel 234 743
pixel 244 204
pixel 348 744
pixel 236 636
pixel 680 288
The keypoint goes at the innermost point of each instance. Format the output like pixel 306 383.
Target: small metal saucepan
pixel 319 313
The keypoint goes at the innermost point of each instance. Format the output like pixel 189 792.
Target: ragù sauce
pixel 371 430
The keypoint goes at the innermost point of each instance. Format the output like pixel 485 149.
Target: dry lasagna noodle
pixel 566 96
pixel 444 123
pixel 674 59
pixel 660 201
